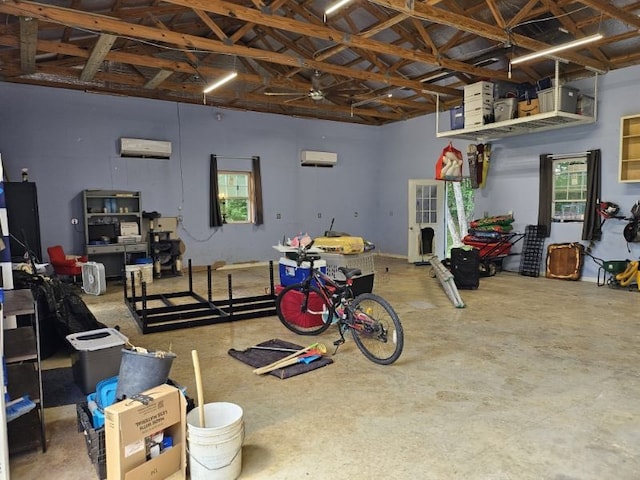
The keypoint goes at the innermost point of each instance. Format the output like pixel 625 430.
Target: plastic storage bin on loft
pixel 568 99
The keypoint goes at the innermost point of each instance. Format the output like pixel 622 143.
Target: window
pixel 569 196
pixel 235 196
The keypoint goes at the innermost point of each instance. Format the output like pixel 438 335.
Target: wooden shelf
pixel 20 345
pixel 629 164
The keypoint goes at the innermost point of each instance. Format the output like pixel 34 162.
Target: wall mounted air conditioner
pixel 139 148
pixel 318 159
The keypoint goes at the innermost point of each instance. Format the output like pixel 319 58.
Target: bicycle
pixel 313 305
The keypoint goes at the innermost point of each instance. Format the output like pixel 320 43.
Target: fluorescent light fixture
pixel 222 81
pixel 332 8
pixel 557 48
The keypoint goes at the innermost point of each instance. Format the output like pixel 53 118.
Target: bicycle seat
pixel 350 272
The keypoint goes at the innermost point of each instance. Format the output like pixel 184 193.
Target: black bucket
pixel 141 371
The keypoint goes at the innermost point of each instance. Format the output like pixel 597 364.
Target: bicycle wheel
pixel 376 329
pixel 303 310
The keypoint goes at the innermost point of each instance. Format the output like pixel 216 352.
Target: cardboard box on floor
pixel 129 422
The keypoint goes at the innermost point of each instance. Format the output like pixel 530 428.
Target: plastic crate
pixel 291 272
pixel 363 261
pixel 568 98
pixel 456 115
pixel 94 438
pixel 532 250
pixel 96 356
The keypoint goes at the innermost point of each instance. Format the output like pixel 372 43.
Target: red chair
pixel 67 265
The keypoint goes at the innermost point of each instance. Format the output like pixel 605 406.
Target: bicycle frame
pixel 322 301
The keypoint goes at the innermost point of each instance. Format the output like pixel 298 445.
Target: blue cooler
pixel 291 272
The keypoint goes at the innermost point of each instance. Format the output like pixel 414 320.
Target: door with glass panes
pixel 425 219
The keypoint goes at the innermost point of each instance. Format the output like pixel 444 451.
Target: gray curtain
pixel 546 191
pixel 257 191
pixel 215 216
pixel 591 226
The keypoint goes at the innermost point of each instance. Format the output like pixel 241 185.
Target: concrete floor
pixel 533 379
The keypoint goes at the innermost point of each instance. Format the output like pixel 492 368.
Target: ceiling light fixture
pixel 222 81
pixel 339 4
pixel 557 48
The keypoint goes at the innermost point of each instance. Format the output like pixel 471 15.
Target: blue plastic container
pixel 291 272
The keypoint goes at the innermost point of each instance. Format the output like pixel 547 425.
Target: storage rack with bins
pixel 104 212
pixel 24 376
pixel 629 168
pixel 540 122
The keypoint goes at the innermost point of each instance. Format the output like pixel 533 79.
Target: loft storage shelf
pixel 541 122
pixel 553 119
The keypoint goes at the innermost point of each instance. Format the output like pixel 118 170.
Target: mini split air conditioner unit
pixel 318 159
pixel 139 148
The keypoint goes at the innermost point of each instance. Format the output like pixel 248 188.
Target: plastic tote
pixel 141 371
pixel 215 452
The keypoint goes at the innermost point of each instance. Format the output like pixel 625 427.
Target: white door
pixel 426 212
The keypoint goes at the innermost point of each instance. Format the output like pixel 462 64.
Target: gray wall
pixel 411 149
pixel 68 140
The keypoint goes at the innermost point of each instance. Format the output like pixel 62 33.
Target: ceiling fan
pixel 315 93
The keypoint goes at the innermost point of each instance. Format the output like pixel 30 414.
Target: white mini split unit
pixel 318 159
pixel 139 148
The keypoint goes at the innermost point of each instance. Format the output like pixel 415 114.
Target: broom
pixel 199 391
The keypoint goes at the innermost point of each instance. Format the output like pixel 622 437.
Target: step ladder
pixel 447 281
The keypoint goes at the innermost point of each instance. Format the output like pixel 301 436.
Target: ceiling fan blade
pixel 283 94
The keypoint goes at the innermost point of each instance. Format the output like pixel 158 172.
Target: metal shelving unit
pixel 22 355
pixel 541 122
pixel 520 126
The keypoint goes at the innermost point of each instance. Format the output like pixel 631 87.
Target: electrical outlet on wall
pixel 74 221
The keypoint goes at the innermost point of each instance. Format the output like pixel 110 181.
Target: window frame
pixel 224 196
pixel 566 188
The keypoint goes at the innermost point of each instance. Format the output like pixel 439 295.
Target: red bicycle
pixel 313 305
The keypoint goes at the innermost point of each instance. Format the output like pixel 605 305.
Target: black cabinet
pixel 24 223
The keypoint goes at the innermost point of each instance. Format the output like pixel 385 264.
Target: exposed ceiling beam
pixel 482 29
pixel 99 52
pixel 157 79
pixel 28 42
pixel 613 12
pixel 325 33
pixel 93 21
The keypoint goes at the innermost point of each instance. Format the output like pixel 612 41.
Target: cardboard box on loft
pixel 130 423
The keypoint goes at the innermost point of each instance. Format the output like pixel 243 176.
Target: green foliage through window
pixel 569 189
pixel 468 197
pixel 235 196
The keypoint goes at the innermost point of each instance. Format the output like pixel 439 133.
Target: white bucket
pixel 215 452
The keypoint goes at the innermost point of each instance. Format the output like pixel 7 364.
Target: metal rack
pixel 540 122
pixel 195 310
pixel 22 356
pixel 532 250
